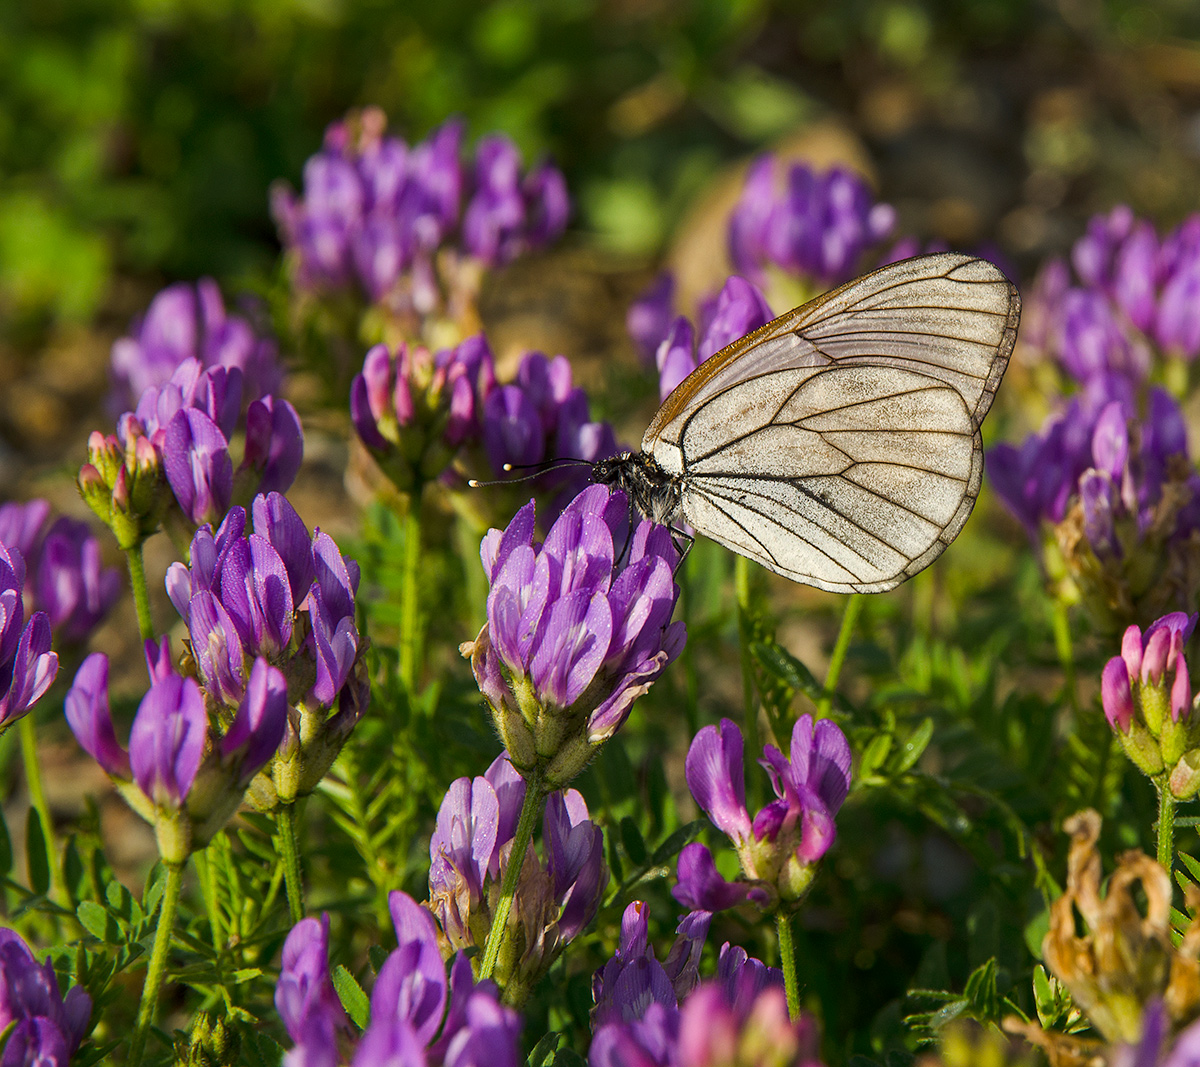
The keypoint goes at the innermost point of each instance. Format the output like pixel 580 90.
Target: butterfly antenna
pixel 536 470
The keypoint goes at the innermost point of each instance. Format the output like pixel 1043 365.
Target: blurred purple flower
pixel 589 611
pixel 650 315
pixel 190 322
pixel 46 1027
pixel 376 211
pixel 816 226
pixel 72 586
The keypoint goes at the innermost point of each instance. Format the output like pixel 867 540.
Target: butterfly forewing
pixel 839 445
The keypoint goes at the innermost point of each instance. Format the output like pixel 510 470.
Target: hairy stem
pixel 535 795
pixel 787 960
pixel 157 971
pixel 141 592
pixel 289 855
pixel 1166 825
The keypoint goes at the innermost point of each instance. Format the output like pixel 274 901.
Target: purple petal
pixel 167 740
pixel 88 715
pixel 716 776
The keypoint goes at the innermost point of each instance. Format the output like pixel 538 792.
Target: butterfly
pixel 838 445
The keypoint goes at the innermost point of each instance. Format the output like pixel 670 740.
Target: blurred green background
pixel 138 138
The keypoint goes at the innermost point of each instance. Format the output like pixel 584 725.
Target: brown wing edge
pixel 791 320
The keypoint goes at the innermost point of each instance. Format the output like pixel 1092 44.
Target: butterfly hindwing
pixel 839 445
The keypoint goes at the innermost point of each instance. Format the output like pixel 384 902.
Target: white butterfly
pixel 839 445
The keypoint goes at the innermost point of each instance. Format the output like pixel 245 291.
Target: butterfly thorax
pixel 654 492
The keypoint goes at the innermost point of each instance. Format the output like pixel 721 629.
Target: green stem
pixel 787 960
pixel 1066 653
pixel 158 963
pixel 285 826
pixel 690 678
pixel 37 794
pixel 741 587
pixel 535 795
pixel 854 606
pixel 409 636
pixel 1166 825
pixel 141 592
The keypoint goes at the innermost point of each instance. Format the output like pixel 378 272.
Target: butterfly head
pixel 650 489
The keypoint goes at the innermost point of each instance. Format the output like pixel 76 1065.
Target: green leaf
pixel 544 1049
pixel 100 923
pixel 568 1057
pixel 671 847
pixel 74 875
pixel 632 842
pixel 37 859
pixel 873 755
pixel 917 742
pixel 353 999
pixel 376 957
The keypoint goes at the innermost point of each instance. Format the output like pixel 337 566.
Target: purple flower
pixel 304 995
pixel 47 1028
pixel 88 715
pixel 414 411
pixel 469 853
pixel 179 772
pixel 166 741
pixel 641 1018
pixel 21 526
pixel 738 309
pixel 418 1017
pixel 71 585
pixel 185 322
pixel 650 315
pixel 278 593
pixel 539 418
pixel 817 226
pixel 779 847
pixel 577 629
pixel 27 666
pixel 197 464
pixel 274 445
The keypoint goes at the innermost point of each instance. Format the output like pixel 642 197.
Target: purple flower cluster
pixel 469 853
pixel 27 666
pixel 375 211
pixel 541 416
pixel 182 429
pixel 738 309
pixel 64 575
pixel 1112 476
pixel 180 773
pixel 815 226
pixel 1133 297
pixel 1146 692
pixel 415 410
pixel 577 628
pixel 46 1027
pixel 278 593
pixel 654 1015
pixel 418 1017
pixel 781 845
pixel 190 322
pixel 418 412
